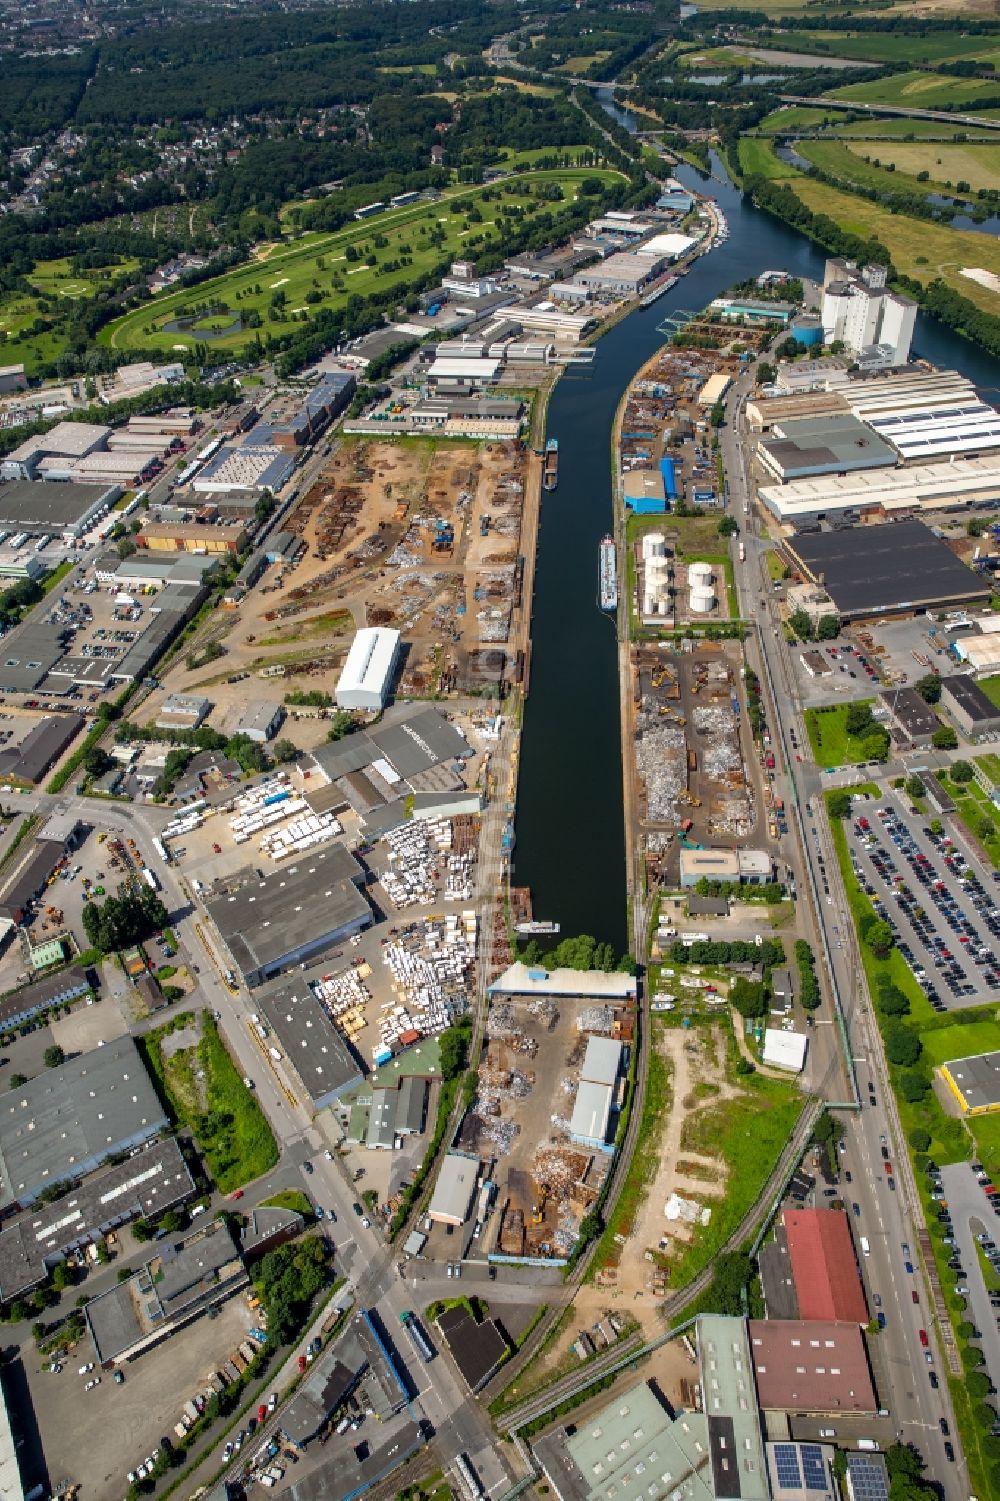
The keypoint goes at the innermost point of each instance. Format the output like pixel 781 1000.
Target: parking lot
pixel 132 1418
pixel 969 1213
pixel 944 919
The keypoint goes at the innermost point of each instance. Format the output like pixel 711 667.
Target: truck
pixel 743 552
pixel 423 1346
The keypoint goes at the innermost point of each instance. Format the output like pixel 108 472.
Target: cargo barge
pixel 608 574
pixel 531 929
pixel 550 471
pixel 652 296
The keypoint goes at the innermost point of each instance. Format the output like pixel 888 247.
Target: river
pixel 570 837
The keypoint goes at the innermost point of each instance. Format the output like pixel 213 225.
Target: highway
pixel 888 1219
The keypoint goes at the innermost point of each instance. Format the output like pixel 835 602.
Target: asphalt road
pixel 888 1219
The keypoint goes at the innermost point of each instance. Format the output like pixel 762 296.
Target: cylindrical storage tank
pixel 657 571
pixel 653 546
pixel 700 575
pixel 702 601
pixel 806 329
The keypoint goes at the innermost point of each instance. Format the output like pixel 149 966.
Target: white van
pixel 866 1249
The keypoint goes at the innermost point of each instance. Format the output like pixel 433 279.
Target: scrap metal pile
pixel 661 759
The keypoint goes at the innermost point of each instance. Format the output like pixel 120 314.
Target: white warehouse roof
pixel 672 244
pixel 932 432
pixel 368 670
pixel 924 487
pixel 785 1049
pixel 451 368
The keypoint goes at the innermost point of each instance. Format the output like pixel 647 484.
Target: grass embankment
pixel 977 812
pixel 293 1199
pixel 828 737
pixel 950 1139
pixel 796 117
pixel 321 271
pixel 757 159
pixel 204 1092
pixel 899 127
pixel 921 90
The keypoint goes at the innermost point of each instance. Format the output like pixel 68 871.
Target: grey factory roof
pixel 145 1184
pixel 976 1080
pixel 263 920
pixel 632 1444
pixel 969 697
pixel 177 1280
pixel 382 1119
pixel 51 990
pixel 27 654
pixel 312 1043
pixel 412 739
pixel 343 1472
pixel 900 565
pixel 69 1119
pixel 730 1405
pixel 914 714
pixel 22 884
pixel 43 744
pixel 338 1370
pixel 38 507
pixel 831 443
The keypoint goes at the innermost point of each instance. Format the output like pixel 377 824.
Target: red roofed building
pixel 824 1266
pixel 810 1367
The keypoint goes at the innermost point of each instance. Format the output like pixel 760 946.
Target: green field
pixel 888 46
pixel 316 266
pixel 58 279
pixel 206 1093
pixel 748 1134
pixel 922 90
pixel 831 744
pixel 958 1041
pixel 978 165
pixel 847 164
pixel 757 159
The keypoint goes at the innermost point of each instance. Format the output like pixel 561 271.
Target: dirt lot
pixel 130 1419
pixel 695 1061
pixel 375 554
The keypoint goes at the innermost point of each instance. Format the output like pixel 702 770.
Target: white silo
pixel 700 575
pixel 702 600
pixel 654 545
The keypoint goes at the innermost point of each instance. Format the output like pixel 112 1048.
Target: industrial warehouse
pixel 899 568
pixel 975 1082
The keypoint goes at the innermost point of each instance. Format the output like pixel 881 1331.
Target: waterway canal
pixel 570 838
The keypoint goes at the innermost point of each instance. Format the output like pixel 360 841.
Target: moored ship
pixel 608 574
pixel 550 470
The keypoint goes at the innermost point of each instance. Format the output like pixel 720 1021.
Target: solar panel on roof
pixel 868 1479
pixel 786 1462
pixel 813 1469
